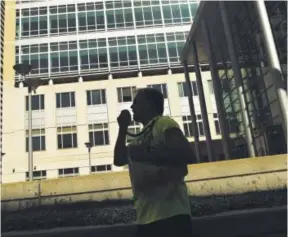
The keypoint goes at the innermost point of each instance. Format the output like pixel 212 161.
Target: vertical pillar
pixel 30 147
pixel 238 78
pixel 202 103
pixel 273 60
pixel 218 95
pixel 192 111
pixel 136 41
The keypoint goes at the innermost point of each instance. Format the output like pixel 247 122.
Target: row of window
pixel 98 97
pixel 69 172
pixel 99 54
pixel 90 17
pixel 99 133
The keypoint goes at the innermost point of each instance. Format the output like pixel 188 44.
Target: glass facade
pixel 101 52
pixel 99 16
pixel 256 85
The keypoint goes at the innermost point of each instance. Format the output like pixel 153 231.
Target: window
pixel 216 123
pixel 152 49
pixel 68 172
pixel 38 140
pixel 98 134
pixel 96 97
pixel 134 128
pixel 101 168
pixel 37 55
pixel 200 125
pixel 183 89
pixel 37 175
pixel 210 86
pixel 126 94
pixel 160 87
pixel 37 102
pixel 64 57
pixel 187 123
pixel 67 137
pixel 65 99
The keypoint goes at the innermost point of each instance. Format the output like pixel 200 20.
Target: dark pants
pixel 176 226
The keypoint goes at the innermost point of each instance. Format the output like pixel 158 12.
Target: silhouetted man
pixel 157 159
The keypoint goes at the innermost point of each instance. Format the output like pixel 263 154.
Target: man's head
pixel 147 104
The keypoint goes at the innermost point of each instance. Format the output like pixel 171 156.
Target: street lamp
pixel 89 146
pixel 32 84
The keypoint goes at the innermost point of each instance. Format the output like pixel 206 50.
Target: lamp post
pixel 32 84
pixel 89 146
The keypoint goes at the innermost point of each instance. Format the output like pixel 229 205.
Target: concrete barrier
pixel 217 178
pixel 250 223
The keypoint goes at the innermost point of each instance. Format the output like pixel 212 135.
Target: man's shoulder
pixel 164 123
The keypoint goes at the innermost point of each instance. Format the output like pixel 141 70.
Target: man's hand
pixel 124 120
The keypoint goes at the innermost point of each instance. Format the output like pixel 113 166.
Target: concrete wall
pixel 225 177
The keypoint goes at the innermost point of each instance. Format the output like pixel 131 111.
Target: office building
pixel 245 44
pixel 91 56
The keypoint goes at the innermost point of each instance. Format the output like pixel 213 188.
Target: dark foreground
pixel 122 212
pixel 269 222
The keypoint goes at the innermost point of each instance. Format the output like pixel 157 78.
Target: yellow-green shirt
pixel 163 201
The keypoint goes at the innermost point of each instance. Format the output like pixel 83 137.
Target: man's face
pixel 140 107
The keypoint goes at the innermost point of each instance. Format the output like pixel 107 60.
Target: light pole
pixel 32 84
pixel 89 146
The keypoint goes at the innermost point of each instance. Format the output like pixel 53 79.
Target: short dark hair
pixel 155 97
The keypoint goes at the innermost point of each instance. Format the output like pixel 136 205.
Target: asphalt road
pixel 271 222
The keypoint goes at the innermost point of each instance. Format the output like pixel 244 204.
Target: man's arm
pixel 120 150
pixel 177 151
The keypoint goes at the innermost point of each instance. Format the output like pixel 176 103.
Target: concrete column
pixel 218 95
pixel 192 112
pixel 274 63
pixel 202 104
pixel 238 78
pixel 50 82
pixel 80 79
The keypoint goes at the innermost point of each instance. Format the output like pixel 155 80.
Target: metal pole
pixel 192 111
pixel 218 95
pixel 203 103
pixel 273 59
pixel 30 147
pixel 89 151
pixel 238 78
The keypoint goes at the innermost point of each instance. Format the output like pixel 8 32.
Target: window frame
pixel 133 90
pixel 73 137
pixel 75 172
pixel 89 97
pixel 41 102
pixel 103 130
pixel 59 100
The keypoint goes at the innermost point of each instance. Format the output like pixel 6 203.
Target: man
pixel 157 159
